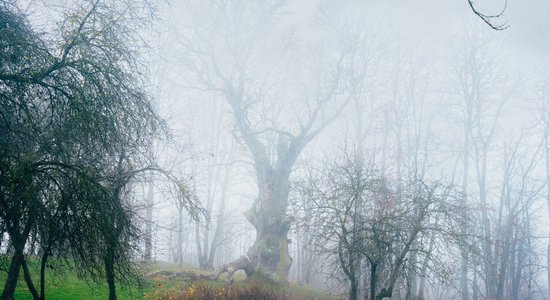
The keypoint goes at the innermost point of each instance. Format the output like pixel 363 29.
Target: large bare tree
pixel 281 95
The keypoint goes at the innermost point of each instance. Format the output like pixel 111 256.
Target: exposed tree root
pixel 242 263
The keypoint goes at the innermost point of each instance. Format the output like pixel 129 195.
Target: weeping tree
pixel 76 128
pixel 281 96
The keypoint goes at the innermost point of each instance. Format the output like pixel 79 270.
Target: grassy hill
pixel 159 283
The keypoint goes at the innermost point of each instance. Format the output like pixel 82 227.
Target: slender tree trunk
pixel 411 276
pixel 547 163
pixel 149 224
pixel 198 243
pixel 465 176
pixel 110 274
pixel 548 263
pixel 307 264
pixel 28 280
pixel 43 263
pixel 515 271
pixel 464 274
pixel 220 217
pixel 475 287
pixel 179 237
pixel 424 270
pixel 490 272
pixel 18 241
pixel 372 287
pixel 13 276
pixel 504 262
pixel 353 289
pixel 218 233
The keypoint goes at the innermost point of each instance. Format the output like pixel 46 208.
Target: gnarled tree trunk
pixel 270 254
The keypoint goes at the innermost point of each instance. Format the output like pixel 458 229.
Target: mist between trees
pixel 374 150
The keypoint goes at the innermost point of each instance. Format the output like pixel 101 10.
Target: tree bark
pixel 18 240
pixel 13 276
pixel 149 224
pixel 411 276
pixel 28 280
pixel 43 263
pixel 489 266
pixel 465 174
pixel 424 271
pixel 270 254
pixel 242 263
pixel 547 169
pixel 179 237
pixel 372 287
pixel 110 274
pixel 475 288
pixel 353 289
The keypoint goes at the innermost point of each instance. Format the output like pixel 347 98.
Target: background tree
pixel 542 92
pixel 392 219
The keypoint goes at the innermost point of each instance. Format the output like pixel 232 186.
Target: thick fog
pixel 425 89
pixel 368 149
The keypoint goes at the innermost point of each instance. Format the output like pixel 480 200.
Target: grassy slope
pixel 67 286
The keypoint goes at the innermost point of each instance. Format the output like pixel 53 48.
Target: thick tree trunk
pixel 270 254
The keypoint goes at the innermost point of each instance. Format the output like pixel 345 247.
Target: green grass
pixel 64 284
pixel 67 285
